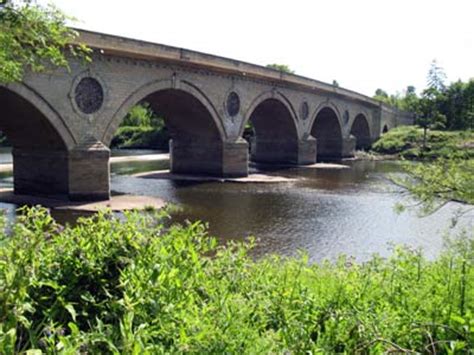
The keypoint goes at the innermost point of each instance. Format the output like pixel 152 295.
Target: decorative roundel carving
pixel 304 110
pixel 89 95
pixel 233 104
pixel 346 117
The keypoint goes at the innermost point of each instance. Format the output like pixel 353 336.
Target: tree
pixel 335 83
pixel 392 100
pixel 34 37
pixel 410 101
pixel 281 67
pixel 444 180
pixel 142 115
pixel 428 115
pixel 380 93
pixel 436 77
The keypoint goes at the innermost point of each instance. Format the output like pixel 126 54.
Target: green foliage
pixel 142 115
pixel 436 77
pixel 434 184
pixel 392 100
pixel 134 286
pixel 440 106
pixel 140 138
pixel 33 37
pixel 281 67
pixel 141 128
pixel 408 142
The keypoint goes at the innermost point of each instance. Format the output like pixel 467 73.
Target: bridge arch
pixel 40 142
pixel 327 129
pixel 360 129
pixel 275 128
pixel 186 90
pixel 18 98
pixel 198 141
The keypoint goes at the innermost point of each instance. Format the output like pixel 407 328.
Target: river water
pixel 325 213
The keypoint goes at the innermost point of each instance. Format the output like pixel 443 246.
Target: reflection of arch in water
pixel 361 131
pixel 328 133
pixel 276 135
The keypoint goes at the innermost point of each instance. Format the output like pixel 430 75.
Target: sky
pixel 363 44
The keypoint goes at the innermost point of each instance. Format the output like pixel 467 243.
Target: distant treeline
pixel 439 105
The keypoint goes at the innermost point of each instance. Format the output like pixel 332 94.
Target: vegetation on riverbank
pixel 141 129
pixel 134 286
pixel 408 142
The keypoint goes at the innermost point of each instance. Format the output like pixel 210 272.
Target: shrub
pixel 131 285
pixel 408 142
pixel 141 138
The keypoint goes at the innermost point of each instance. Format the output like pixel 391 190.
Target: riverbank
pixel 407 142
pixel 133 285
pixel 116 203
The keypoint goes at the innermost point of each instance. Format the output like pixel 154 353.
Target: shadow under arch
pixel 326 128
pixel 276 137
pixel 40 142
pixel 361 131
pixel 37 111
pixel 275 130
pixel 197 144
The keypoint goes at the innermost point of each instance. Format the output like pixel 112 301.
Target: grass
pixel 134 286
pixel 407 142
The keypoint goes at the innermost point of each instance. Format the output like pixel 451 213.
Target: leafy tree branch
pixel 34 37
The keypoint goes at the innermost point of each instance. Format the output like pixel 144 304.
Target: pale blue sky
pixel 363 44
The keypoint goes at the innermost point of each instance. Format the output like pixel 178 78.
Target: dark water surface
pixel 326 212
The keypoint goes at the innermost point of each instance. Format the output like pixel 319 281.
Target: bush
pixel 141 138
pixel 397 140
pixel 132 285
pixel 407 141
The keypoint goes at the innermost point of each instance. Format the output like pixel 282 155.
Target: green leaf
pixel 71 310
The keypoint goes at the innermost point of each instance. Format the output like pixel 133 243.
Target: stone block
pixel 89 173
pixel 40 173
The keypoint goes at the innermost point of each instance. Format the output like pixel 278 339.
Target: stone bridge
pixel 61 123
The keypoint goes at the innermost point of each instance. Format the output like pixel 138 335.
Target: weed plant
pixel 133 286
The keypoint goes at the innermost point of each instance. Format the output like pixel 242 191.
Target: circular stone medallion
pixel 89 95
pixel 233 104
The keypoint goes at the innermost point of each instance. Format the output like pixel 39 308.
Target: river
pixel 325 213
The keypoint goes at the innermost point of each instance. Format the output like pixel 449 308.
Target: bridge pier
pixel 80 174
pixel 348 146
pixel 221 159
pixel 280 151
pixel 336 148
pixel 89 172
